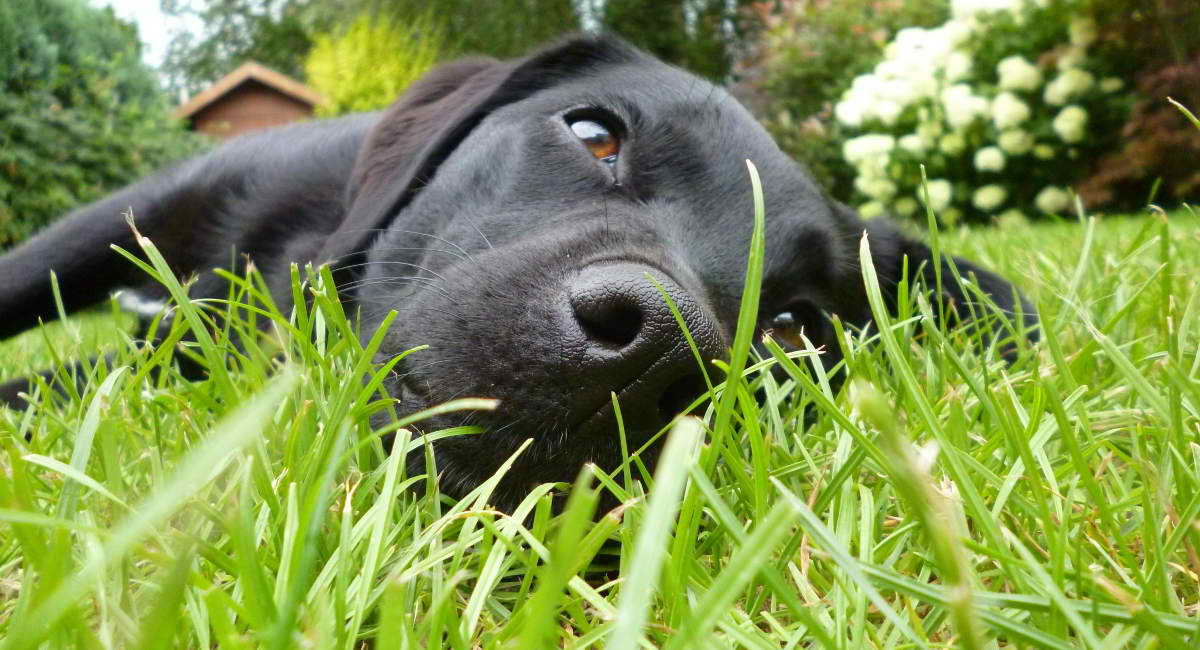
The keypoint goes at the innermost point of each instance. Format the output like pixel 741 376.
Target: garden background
pixel 1013 107
pixel 947 495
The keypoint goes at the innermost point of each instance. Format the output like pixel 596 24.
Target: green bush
pixel 80 114
pixel 1156 48
pixel 366 66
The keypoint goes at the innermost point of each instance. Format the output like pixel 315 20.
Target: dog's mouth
pixel 594 434
pixel 639 415
pixel 643 416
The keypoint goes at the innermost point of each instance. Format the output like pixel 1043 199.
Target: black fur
pixel 471 208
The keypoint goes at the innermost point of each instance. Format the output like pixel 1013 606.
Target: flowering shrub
pixel 804 60
pixel 1003 103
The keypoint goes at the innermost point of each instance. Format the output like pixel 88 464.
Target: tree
pixel 500 28
pixel 275 33
pixel 703 36
pixel 80 114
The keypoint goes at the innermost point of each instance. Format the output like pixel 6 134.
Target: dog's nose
pixel 633 343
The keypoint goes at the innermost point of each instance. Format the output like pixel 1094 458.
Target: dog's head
pixel 512 213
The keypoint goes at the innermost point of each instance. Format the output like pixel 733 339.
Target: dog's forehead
pixel 671 112
pixel 650 93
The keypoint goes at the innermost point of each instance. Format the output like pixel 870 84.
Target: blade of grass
pixel 650 546
pixel 751 556
pixel 197 468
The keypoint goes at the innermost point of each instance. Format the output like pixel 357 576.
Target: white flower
pixel 880 189
pixel 1111 84
pixel 876 96
pixel 989 159
pixel 1055 94
pixel 874 166
pixel 929 132
pixel 962 106
pixel 989 197
pixel 1043 152
pixel 952 144
pixel 1068 84
pixel 1018 74
pixel 1008 111
pixel 902 91
pixel 1078 80
pixel 888 112
pixel 912 143
pixel 1070 123
pixel 1083 31
pixel 940 193
pixel 850 112
pixel 906 206
pixel 958 65
pixel 1015 142
pixel 1052 200
pixel 867 146
pixel 864 84
pixel 925 84
pixel 917 45
pixel 871 210
pixel 957 32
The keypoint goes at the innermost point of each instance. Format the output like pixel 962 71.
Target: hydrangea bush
pixel 1004 104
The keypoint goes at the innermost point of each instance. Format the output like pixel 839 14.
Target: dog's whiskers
pixel 429 249
pixel 441 239
pixel 476 227
pixel 382 307
pixel 392 279
pixel 410 264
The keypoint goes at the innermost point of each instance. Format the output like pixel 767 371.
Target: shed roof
pixel 248 71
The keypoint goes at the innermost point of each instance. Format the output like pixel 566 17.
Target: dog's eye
pixel 786 327
pixel 802 320
pixel 598 139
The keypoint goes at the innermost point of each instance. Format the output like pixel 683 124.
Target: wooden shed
pixel 249 98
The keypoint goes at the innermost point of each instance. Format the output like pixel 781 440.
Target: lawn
pixel 943 497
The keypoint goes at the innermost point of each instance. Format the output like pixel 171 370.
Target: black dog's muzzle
pixel 633 345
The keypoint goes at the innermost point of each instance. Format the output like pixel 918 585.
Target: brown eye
pixel 801 321
pixel 598 139
pixel 785 327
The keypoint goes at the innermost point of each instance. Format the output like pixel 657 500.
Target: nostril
pixel 609 319
pixel 679 395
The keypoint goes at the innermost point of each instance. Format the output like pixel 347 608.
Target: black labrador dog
pixel 510 210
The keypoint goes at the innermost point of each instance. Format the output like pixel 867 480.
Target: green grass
pixel 942 498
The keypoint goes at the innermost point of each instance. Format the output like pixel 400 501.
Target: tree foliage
pixel 1157 47
pixel 275 33
pixel 500 28
pixel 704 36
pixel 80 115
pixel 371 63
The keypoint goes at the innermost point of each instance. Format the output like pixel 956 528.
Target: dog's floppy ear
pixel 898 257
pixel 421 129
